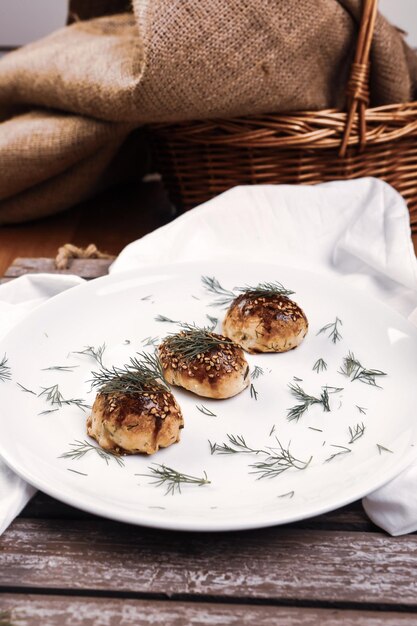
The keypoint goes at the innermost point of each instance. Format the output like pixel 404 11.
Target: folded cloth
pixel 17 299
pixel 72 98
pixel 358 229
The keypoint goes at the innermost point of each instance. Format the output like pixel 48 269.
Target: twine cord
pixel 68 251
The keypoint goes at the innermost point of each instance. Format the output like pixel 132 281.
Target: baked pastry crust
pixel 265 323
pixel 219 372
pixel 135 423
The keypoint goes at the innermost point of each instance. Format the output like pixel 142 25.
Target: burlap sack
pixel 91 83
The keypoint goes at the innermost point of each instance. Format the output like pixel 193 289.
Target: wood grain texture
pixel 86 268
pixel 34 610
pixel 111 221
pixel 276 564
pixel 350 517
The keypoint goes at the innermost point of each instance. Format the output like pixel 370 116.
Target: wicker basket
pixel 200 159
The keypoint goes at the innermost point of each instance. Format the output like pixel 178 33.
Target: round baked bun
pixel 137 423
pixel 265 322
pixel 205 363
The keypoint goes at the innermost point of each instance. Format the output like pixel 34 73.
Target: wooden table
pixel 61 566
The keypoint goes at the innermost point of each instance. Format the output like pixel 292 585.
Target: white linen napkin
pixel 358 229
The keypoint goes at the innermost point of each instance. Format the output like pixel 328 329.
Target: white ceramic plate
pixel 121 308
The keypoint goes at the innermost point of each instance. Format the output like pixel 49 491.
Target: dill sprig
pixel 319 366
pixel 289 494
pixel 253 393
pixel 343 450
pixel 265 290
pixel 256 372
pixel 172 479
pixel 236 444
pixel 26 390
pixel 60 368
pixel 48 411
pixel 224 296
pixel 203 409
pixel 53 394
pixel 80 448
pixel 94 353
pixel 361 409
pixel 353 369
pixel 165 319
pixel 213 321
pixel 306 401
pixel 383 449
pixel 150 341
pixel 5 371
pixel 74 472
pixel 192 341
pixel 277 459
pixel 356 432
pixel 138 376
pixel 334 333
pixel 55 397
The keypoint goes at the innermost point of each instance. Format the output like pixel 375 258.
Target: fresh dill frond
pixel 383 449
pixel 48 411
pixel 278 460
pixel 203 409
pixel 319 366
pixel 224 297
pixel 257 372
pixel 353 369
pixel 334 333
pixel 356 432
pixel 5 371
pixel 53 394
pixel 60 368
pixel 213 321
pixel 165 319
pixel 150 341
pixel 343 450
pixel 265 290
pixel 80 448
pixel 74 472
pixel 271 432
pixel 55 397
pixel 237 444
pixel 94 353
pixel 140 375
pixel 253 393
pixel 193 341
pixel 172 479
pixel 361 409
pixel 26 390
pixel 306 401
pixel 289 495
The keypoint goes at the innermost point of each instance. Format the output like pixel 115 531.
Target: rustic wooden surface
pixel 111 221
pixel 62 566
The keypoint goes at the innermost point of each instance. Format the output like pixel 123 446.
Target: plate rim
pixel 147 520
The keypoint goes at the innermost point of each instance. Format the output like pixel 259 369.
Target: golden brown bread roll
pixel 265 322
pixel 133 412
pixel 205 363
pixel 131 424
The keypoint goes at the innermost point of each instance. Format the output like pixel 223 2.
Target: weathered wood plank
pixel 34 610
pixel 86 268
pixel 351 517
pixel 278 564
